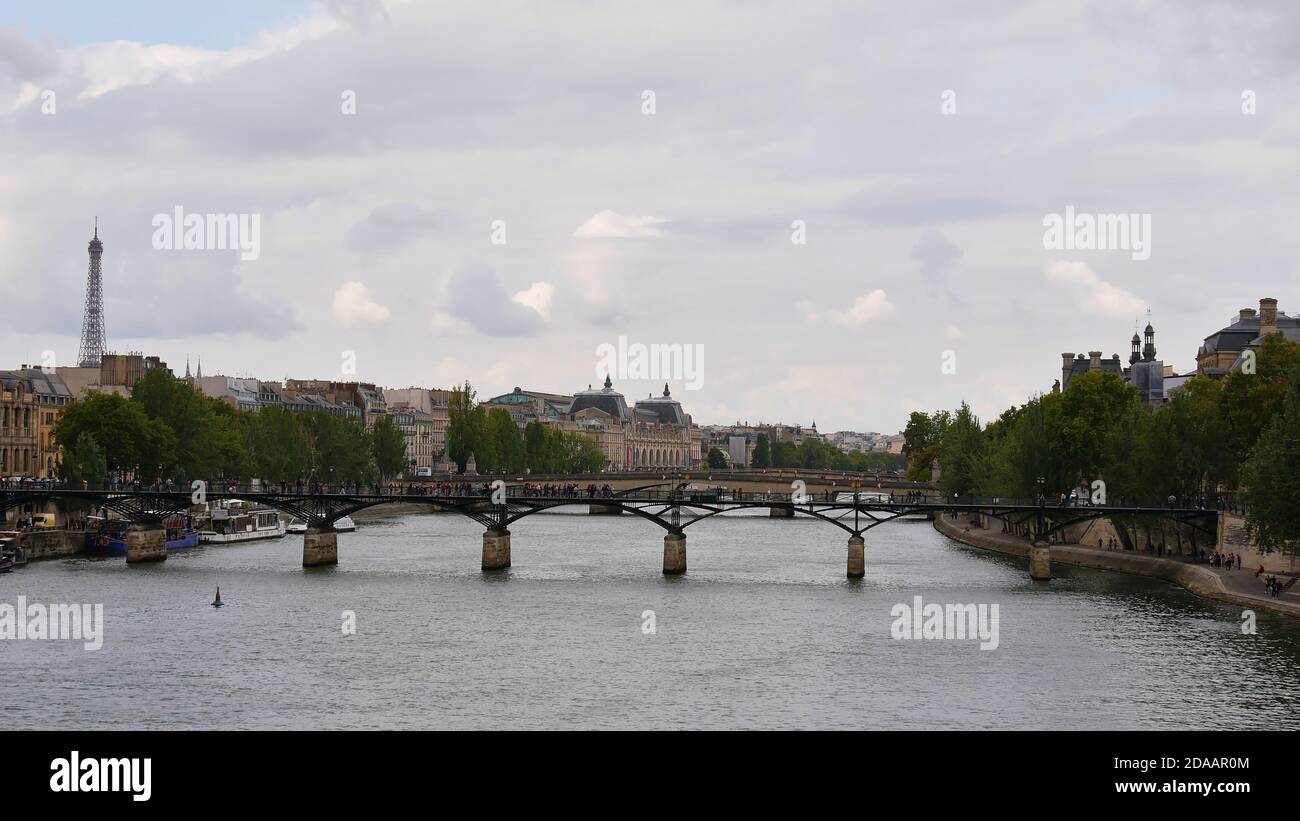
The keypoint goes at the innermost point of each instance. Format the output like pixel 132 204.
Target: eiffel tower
pixel 92 321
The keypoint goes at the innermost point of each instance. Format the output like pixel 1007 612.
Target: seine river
pixel 764 631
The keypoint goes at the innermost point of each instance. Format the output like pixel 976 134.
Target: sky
pixel 840 206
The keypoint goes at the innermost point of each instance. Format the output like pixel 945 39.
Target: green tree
pixel 1250 400
pixel 280 445
pixel 962 454
pixel 464 428
pixel 507 442
pixel 388 446
pixel 921 439
pixel 341 449
pixel 717 459
pixel 762 457
pixel 1271 480
pixel 122 429
pixel 536 454
pixel 84 464
pixel 1089 411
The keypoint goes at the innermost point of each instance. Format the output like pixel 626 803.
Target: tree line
pixel 168 430
pixel 810 454
pixel 1238 438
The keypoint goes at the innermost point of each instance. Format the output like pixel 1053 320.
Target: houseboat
pixel 109 535
pixel 236 521
pixel 12 553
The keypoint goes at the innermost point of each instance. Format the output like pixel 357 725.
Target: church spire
pixel 608 384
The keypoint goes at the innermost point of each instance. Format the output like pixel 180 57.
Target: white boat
pixel 236 521
pixel 343 525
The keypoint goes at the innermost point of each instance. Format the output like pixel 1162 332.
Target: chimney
pixel 1267 316
pixel 1094 360
pixel 1246 313
pixel 1066 360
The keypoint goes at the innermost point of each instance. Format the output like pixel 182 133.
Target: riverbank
pixel 53 544
pixel 390 509
pixel 1233 586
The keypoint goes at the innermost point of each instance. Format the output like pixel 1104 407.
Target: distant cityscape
pixel 651 433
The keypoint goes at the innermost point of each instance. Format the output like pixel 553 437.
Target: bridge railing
pixel 593 492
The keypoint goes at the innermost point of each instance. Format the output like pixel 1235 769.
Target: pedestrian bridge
pixel 673 506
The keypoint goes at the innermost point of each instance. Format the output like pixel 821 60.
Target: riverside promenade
pixel 1240 587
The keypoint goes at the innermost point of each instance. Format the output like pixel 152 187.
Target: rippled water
pixel 763 631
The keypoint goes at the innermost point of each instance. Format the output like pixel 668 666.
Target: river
pixel 764 631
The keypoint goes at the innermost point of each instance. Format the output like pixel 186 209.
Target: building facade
pixel 31 400
pixel 1222 350
pixel 652 433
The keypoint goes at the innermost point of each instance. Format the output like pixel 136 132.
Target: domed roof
pixel 604 399
pixel 666 410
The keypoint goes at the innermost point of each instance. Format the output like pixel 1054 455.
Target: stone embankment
pixel 1234 587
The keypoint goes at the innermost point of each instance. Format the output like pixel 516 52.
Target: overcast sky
pixel 924 229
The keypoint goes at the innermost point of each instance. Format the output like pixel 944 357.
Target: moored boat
pixel 109 535
pixel 235 521
pixel 299 525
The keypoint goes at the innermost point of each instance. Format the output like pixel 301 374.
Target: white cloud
pixel 609 225
pixel 953 332
pixel 444 322
pixel 538 297
pixel 1092 292
pixel 866 308
pixel 352 304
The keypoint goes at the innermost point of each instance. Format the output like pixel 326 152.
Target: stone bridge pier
pixel 857 557
pixel 674 553
pixel 146 544
pixel 1040 561
pixel 320 547
pixel 496 549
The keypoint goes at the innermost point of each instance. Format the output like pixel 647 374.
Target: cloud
pixel 609 225
pixel 538 297
pixel 352 304
pixel 475 295
pixel 445 323
pixel 953 332
pixel 935 256
pixel 1092 292
pixel 866 308
pixel 391 227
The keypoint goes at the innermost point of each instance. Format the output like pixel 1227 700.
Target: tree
pixel 762 457
pixel 1250 400
pixel 207 431
pixel 507 441
pixel 717 459
pixel 464 428
pixel 122 429
pixel 536 455
pixel 962 454
pixel 84 464
pixel 388 446
pixel 921 442
pixel 1271 480
pixel 281 446
pixel 341 449
pixel 1089 411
